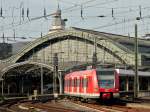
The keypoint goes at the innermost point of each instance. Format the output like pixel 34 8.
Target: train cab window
pixel 105 79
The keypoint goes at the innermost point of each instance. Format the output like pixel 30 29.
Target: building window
pixel 131 83
pixel 143 83
pixel 123 83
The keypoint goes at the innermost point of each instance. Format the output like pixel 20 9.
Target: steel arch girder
pixel 125 56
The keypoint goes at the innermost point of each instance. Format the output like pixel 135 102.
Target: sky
pixel 112 16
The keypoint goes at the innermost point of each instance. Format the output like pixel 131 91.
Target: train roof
pixel 77 73
pixel 124 72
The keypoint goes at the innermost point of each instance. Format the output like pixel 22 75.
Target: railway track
pixel 52 107
pixel 13 106
pixel 110 108
pixel 5 106
pixel 10 105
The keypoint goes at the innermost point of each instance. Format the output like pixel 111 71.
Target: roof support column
pixel 136 79
pixel 41 80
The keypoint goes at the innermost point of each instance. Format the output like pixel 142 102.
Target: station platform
pixel 141 102
pixel 145 99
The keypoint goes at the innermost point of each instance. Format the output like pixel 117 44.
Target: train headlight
pixel 96 89
pixel 117 89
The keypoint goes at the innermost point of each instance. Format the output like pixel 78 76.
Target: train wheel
pixel 84 100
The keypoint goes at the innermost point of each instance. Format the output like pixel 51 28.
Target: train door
pixel 116 81
pixel 81 85
pixel 90 85
pixel 70 85
pixel 75 85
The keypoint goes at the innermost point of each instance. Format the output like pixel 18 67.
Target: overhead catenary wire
pixel 76 6
pixel 36 18
pixel 85 16
pixel 112 13
pixel 120 22
pixel 45 16
pixel 129 10
pixel 49 15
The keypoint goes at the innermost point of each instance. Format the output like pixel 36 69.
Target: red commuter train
pixel 92 84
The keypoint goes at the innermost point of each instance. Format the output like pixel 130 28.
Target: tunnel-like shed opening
pixel 22 79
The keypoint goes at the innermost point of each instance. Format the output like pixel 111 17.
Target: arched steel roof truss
pixel 123 54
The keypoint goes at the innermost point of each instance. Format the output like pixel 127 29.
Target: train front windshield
pixel 106 79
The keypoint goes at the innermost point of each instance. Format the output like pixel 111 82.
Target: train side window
pixel 82 82
pixel 78 82
pixel 75 82
pixel 143 81
pixel 87 81
pixel 72 84
pixel 67 82
pixel 85 84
